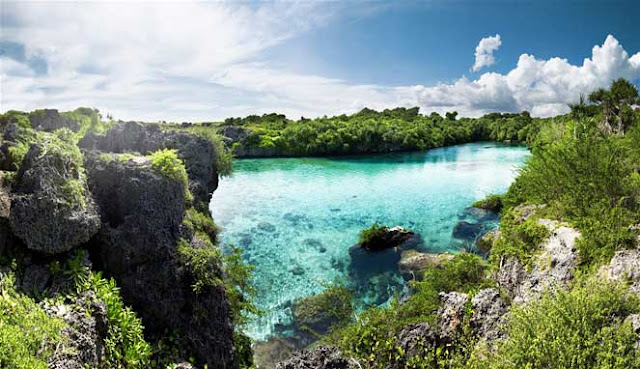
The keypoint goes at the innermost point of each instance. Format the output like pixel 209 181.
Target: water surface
pixel 295 218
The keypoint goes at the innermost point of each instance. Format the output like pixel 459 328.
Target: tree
pixel 616 104
pixel 451 115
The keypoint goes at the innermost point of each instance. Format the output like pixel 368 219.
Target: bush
pixel 583 328
pixel 324 311
pixel 167 163
pixel 491 202
pixel 374 231
pixel 28 335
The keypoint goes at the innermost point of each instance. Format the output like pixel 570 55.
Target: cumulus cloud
pixel 203 61
pixel 485 50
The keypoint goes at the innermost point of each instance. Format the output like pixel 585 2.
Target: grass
pixel 374 231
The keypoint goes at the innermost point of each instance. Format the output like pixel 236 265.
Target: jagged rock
pixel 634 320
pixel 416 337
pixel 467 231
pixel 266 354
pixel 234 134
pixel 413 263
pixel 84 336
pixel 35 278
pixel 322 311
pixel 489 314
pixel 144 138
pixel 141 211
pixel 50 120
pixel 553 267
pixel 322 357
pixel 625 266
pixel 46 213
pixel 451 314
pixel 369 261
pixel 387 238
pixel 486 241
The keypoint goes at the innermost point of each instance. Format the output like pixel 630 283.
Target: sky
pixel 204 61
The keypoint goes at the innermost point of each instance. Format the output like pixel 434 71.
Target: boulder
pixel 414 338
pixel 451 314
pixel 625 266
pixel 319 313
pixel 323 357
pixel 387 238
pixel 524 212
pixel 485 242
pixel 480 214
pixel 489 315
pixel 51 209
pixel 413 263
pixel 553 267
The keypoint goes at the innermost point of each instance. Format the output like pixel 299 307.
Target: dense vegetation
pixel 370 131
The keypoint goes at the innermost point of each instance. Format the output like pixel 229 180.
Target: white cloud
pixel 485 50
pixel 203 61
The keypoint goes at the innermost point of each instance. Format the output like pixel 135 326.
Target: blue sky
pixel 203 61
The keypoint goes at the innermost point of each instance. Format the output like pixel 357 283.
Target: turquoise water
pixel 296 218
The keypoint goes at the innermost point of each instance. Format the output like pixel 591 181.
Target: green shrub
pixel 204 263
pixel 330 308
pixel 28 335
pixel 201 222
pixel 521 240
pixel 374 231
pixel 167 163
pixel 579 329
pixel 125 345
pixel 491 202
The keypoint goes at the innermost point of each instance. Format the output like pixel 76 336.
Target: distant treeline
pixel 370 131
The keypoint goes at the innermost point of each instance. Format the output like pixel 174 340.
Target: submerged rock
pixel 267 354
pixel 51 209
pixel 467 231
pixel 323 357
pixel 413 263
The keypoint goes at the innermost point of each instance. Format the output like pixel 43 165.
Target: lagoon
pixel 296 218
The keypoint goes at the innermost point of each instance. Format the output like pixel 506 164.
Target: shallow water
pixel 296 218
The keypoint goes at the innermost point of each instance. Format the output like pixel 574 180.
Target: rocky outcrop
pixel 322 357
pixel 84 336
pixel 414 338
pixel 625 267
pixel 489 315
pixel 198 153
pixel 141 211
pixel 553 266
pixel 387 238
pixel 413 263
pixel 50 120
pixel 451 314
pixel 51 209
